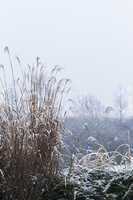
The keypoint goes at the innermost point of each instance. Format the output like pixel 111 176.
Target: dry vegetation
pixel 103 159
pixel 30 125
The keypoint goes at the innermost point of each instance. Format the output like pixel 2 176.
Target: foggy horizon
pixel 91 40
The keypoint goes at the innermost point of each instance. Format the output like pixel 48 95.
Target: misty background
pixel 92 40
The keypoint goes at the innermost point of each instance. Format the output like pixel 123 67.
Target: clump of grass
pixel 30 124
pixel 103 159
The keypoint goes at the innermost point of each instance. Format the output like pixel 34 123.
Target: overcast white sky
pixel 91 39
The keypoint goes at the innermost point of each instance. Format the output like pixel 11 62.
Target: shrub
pixel 30 124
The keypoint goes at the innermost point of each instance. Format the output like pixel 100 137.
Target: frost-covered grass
pixel 117 161
pixel 104 159
pixel 30 125
pixel 102 174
